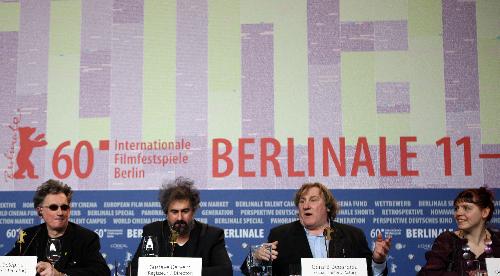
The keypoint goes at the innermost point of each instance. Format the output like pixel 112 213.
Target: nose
pixel 178 216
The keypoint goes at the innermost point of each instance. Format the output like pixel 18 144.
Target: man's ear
pixel 39 210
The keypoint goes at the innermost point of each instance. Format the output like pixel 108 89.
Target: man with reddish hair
pixel 306 237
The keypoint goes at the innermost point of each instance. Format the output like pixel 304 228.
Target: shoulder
pixel 284 228
pixel 153 226
pixel 32 230
pixel 447 236
pixel 81 231
pixel 446 241
pixel 24 240
pixel 207 234
pixel 208 229
pixel 495 233
pixel 212 228
pixel 348 229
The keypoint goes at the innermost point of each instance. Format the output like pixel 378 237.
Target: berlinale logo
pixel 26 146
pixel 25 167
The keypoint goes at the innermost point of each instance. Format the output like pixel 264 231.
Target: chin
pixel 59 226
pixel 466 228
pixel 309 225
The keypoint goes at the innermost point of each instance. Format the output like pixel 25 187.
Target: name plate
pixel 493 266
pixel 18 265
pixel 169 266
pixel 334 266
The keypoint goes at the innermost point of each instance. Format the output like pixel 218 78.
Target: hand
pixel 46 269
pixel 263 253
pixel 477 272
pixel 381 248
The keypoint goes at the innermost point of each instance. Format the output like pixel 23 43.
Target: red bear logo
pixel 26 146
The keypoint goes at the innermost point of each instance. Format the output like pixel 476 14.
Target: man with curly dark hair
pixel 180 235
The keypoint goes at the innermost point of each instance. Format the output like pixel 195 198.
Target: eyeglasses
pixel 55 207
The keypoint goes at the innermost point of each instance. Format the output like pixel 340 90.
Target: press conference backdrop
pixel 392 104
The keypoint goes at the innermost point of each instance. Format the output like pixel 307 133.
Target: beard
pixel 181 227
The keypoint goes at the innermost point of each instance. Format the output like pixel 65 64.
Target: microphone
pixel 20 240
pixel 328 233
pixel 174 234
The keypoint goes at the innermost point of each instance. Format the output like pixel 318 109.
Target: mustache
pixel 179 226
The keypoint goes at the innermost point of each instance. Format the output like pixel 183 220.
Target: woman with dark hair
pixel 463 252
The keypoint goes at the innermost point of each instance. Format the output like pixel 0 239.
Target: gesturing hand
pixel 264 254
pixel 381 248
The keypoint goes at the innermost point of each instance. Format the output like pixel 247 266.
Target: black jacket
pixel 348 242
pixel 207 243
pixel 80 250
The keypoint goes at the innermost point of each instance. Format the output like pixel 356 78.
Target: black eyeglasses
pixel 55 207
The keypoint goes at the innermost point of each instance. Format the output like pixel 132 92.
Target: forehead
pixel 59 198
pixel 464 203
pixel 313 191
pixel 179 204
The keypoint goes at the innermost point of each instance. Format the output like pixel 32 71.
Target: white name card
pixel 18 265
pixel 166 266
pixel 334 266
pixel 493 266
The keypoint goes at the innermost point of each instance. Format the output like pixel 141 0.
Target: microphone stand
pixel 22 234
pixel 451 257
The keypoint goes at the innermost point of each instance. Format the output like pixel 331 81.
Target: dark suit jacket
pixel 208 244
pixel 348 242
pixel 80 250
